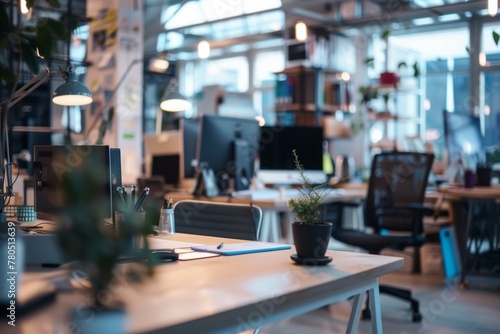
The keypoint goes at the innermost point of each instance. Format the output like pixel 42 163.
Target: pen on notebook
pixel 220 246
pixel 141 199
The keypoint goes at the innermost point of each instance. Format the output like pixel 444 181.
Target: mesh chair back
pixel 397 179
pixel 225 220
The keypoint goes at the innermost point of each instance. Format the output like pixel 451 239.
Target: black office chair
pixel 394 210
pixel 225 220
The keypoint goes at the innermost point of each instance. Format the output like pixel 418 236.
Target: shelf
pixel 386 117
pixel 384 144
pixel 393 89
pixel 309 90
pixel 308 107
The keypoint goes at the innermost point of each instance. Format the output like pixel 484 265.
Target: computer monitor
pixel 228 145
pixel 53 163
pixel 166 166
pixel 162 156
pixel 463 138
pixel 190 129
pixel 277 164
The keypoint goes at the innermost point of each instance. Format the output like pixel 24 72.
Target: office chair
pixel 225 220
pixel 394 211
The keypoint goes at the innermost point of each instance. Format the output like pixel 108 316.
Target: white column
pixel 115 43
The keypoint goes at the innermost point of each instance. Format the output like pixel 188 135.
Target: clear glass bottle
pixel 166 224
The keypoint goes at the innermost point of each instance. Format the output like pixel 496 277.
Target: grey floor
pixel 446 308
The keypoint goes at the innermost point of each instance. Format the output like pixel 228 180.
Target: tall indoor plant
pixel 95 247
pixel 310 233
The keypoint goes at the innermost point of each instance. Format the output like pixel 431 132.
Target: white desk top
pixel 224 292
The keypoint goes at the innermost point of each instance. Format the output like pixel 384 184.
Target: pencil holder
pixel 126 226
pixel 167 222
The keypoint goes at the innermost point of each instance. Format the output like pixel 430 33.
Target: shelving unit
pixel 310 93
pixel 392 112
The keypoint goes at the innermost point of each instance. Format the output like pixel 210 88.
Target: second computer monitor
pixel 464 139
pixel 277 164
pixel 228 145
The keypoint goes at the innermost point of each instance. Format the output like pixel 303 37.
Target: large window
pixel 490 83
pixel 445 76
pixel 266 64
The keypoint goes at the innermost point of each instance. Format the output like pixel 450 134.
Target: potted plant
pixel 310 233
pixel 97 249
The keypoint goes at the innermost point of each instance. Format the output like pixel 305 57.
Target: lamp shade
pixel 173 101
pixel 72 92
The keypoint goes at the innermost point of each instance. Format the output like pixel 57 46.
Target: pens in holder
pixel 133 193
pixel 141 199
pixel 120 193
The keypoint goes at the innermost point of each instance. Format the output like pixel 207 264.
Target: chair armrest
pixel 423 207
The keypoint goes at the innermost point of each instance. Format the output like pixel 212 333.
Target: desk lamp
pixel 70 93
pixel 174 101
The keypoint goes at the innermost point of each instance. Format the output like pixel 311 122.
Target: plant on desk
pixel 97 249
pixel 310 233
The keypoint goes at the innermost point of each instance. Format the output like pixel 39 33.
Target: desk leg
pixel 270 229
pixel 266 225
pixel 374 295
pixel 275 226
pixel 352 326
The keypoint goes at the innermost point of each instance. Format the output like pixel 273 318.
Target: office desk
pixel 474 214
pixel 271 208
pixel 229 293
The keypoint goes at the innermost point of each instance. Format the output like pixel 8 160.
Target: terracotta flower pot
pixel 389 79
pixel 311 240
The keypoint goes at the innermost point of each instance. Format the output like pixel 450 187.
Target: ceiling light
pixel 159 65
pixel 448 17
pixel 300 31
pixel 423 21
pixel 492 7
pixel 203 49
pixel 23 7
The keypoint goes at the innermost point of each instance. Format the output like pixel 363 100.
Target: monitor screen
pixel 53 163
pixel 190 129
pixel 228 145
pixel 166 166
pixel 277 164
pixel 463 138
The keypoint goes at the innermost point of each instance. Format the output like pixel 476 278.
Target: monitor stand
pixel 206 184
pixel 243 165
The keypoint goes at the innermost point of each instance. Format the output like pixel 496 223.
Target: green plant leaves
pixel 47 33
pixel 19 42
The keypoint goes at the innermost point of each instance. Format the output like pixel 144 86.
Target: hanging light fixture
pixel 203 49
pixel 160 63
pixel 71 92
pixel 300 31
pixel 492 7
pixel 173 101
pixel 23 7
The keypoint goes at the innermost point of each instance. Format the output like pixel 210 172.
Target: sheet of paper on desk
pixel 164 244
pixel 241 248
